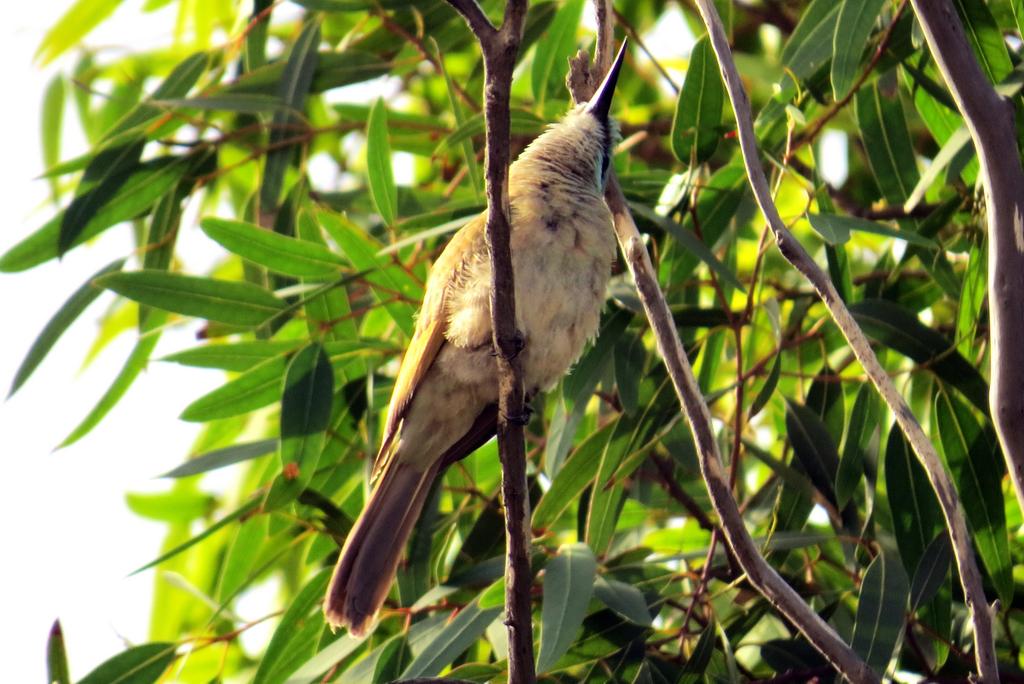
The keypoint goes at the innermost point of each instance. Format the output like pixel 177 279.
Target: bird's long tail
pixel 369 559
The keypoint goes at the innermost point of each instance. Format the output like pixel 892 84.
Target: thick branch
pixel 989 119
pixel 794 253
pixel 761 575
pixel 500 48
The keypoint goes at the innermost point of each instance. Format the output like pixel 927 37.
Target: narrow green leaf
pixel 959 141
pixel 241 556
pixel 810 44
pixel 292 637
pixel 521 122
pixel 899 329
pixel 133 365
pixel 81 18
pixel 451 641
pixel 135 197
pixel 932 571
pixel 233 303
pixel 292 89
pixel 239 512
pixel 277 252
pixel 573 477
pixel 881 612
pixel 219 458
pixel 52 125
pixel 863 422
pixel 624 599
pixel 466 146
pixel 256 388
pixel 813 445
pixel 883 128
pixel 243 103
pixel 568 586
pixel 761 400
pixel 550 55
pixel 836 229
pixel 700 658
pixel 138 665
pixel 233 356
pixel 853 28
pixel 916 517
pixel 978 469
pixel 57 657
pixel 697 123
pixel 986 39
pixel 328 316
pixel 972 298
pixel 176 85
pixel 67 314
pixel 378 163
pixel 305 415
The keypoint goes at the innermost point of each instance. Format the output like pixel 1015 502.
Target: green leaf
pixel 521 122
pixel 292 89
pixel 853 28
pixel 243 103
pixel 550 55
pixel 294 639
pixel 959 141
pixel 52 125
pixel 761 400
pixel 881 611
pixel 256 388
pixel 138 665
pixel 813 445
pixel 277 252
pixel 135 197
pixel 691 242
pixel 883 128
pixel 133 365
pixel 573 477
pixel 176 506
pixel 219 458
pixel 233 303
pixel 451 641
pixel 810 45
pixel 242 554
pixel 700 658
pixel 81 18
pixel 305 415
pixel 986 39
pixel 239 512
pixel 899 329
pixel 974 458
pixel 932 571
pixel 568 586
pixel 836 229
pixel 378 163
pixel 624 599
pixel 698 117
pixel 57 657
pixel 176 85
pixel 67 314
pixel 916 517
pixel 232 356
pixel 863 421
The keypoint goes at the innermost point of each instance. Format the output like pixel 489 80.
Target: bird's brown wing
pixel 429 335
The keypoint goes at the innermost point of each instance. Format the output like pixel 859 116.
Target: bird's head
pixel 579 148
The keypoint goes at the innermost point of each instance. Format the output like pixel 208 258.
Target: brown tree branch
pixel 500 47
pixel 974 595
pixel 760 574
pixel 990 120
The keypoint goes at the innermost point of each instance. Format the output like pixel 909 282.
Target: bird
pixel 444 402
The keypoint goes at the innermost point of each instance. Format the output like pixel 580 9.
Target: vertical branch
pixel 989 119
pixel 760 574
pixel 949 501
pixel 500 47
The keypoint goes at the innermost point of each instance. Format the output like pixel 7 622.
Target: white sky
pixel 68 539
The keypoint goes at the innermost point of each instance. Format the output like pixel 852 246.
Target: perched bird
pixel 444 404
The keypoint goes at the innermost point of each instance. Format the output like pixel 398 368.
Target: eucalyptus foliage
pixel 307 311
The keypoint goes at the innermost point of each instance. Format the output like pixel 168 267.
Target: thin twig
pixel 974 595
pixel 990 120
pixel 500 47
pixel 760 574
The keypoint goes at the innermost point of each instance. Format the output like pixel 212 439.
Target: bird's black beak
pixel 601 103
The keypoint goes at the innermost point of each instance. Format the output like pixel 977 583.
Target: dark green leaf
pixel 978 469
pixel 836 229
pixel 916 517
pixel 853 28
pixel 881 611
pixel 986 39
pixel 176 85
pixel 813 445
pixel 883 128
pixel 305 414
pixel 696 126
pixel 932 571
pixel 451 641
pixel 573 477
pixel 277 252
pixel 550 55
pixel 624 599
pixel 292 637
pixel 247 103
pixel 863 422
pixel 761 400
pixel 899 329
pixel 700 658
pixel 138 665
pixel 568 586
pixel 233 356
pixel 257 387
pixel 810 45
pixel 233 303
pixel 521 122
pixel 239 512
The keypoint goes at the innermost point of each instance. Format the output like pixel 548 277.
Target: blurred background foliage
pixel 331 146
